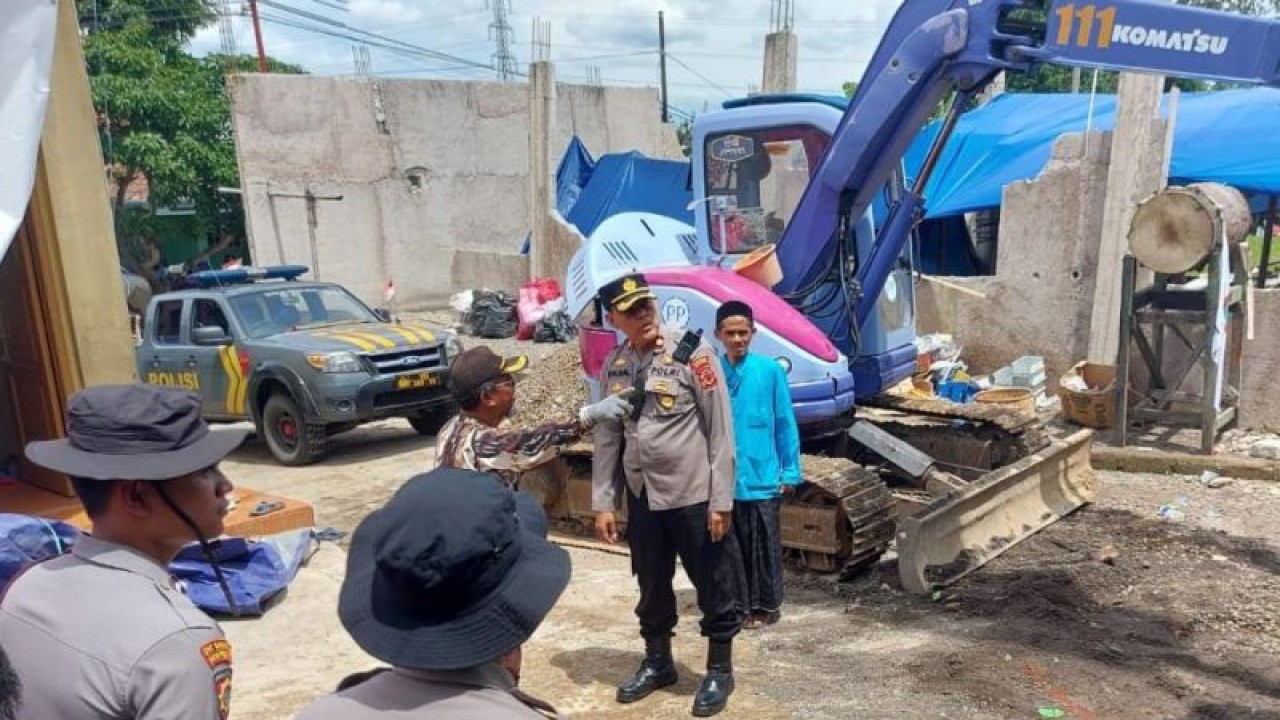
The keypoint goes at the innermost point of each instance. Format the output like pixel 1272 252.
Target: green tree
pixel 163 115
pixel 684 135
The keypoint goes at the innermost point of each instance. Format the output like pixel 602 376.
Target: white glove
pixel 611 409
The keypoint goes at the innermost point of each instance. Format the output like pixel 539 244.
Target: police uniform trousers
pixel 657 538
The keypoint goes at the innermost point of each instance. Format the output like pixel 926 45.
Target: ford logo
pixel 410 360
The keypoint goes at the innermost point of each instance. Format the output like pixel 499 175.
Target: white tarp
pixel 26 55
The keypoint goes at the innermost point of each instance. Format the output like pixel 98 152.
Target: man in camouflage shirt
pixel 483 383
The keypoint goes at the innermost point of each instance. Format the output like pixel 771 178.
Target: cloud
pixel 629 31
pixel 386 13
pixel 722 42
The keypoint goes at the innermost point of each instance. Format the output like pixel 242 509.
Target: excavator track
pixel 841 519
pixel 970 439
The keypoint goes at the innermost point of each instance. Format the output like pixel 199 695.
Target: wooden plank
pixel 31 500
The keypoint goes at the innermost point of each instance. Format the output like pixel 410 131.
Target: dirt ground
pixel 1111 613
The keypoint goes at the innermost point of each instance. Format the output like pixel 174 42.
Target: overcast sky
pixel 715 47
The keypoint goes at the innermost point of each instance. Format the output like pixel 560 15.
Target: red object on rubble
pixel 534 295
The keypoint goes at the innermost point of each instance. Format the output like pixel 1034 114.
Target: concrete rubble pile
pixel 552 390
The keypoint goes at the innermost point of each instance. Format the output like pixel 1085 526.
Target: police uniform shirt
pixel 101 633
pixel 487 691
pixel 680 449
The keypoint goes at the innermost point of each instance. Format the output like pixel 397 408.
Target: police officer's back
pixel 102 632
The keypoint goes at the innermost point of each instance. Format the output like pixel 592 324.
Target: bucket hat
pixel 134 432
pixel 453 572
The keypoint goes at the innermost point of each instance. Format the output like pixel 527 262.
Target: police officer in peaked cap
pixel 672 462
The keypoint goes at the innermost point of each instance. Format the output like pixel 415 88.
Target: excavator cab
pixel 752 163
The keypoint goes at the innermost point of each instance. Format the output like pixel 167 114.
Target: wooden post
pixel 1128 277
pixel 1267 231
pixel 1129 179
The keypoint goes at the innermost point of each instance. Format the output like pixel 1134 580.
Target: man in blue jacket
pixel 768 446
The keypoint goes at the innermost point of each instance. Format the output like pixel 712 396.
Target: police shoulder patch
pixel 216 652
pixel 703 370
pixel 222 691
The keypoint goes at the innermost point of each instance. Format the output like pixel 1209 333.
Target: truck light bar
pixel 239 276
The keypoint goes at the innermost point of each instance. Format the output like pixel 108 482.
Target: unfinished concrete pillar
pixel 1136 171
pixel 542 100
pixel 780 50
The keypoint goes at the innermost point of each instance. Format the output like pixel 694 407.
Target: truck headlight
pixel 452 348
pixel 339 362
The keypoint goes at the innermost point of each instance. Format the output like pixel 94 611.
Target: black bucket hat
pixel 134 432
pixel 453 572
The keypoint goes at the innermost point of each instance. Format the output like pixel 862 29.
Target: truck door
pixel 163 357
pixel 208 364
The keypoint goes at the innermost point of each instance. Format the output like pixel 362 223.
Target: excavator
pixel 820 185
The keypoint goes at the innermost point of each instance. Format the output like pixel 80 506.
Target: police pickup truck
pixel 301 360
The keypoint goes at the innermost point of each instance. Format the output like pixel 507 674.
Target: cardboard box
pixel 1094 407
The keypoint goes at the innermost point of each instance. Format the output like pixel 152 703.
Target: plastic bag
pixel 528 311
pixel 493 315
pixel 555 327
pixel 461 301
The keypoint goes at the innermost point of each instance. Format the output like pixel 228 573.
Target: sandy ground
pixel 1180 623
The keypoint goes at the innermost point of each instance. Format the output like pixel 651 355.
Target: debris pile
pixel 552 389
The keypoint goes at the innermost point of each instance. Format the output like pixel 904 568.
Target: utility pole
pixel 257 36
pixel 662 63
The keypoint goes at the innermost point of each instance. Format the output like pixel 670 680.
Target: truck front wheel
pixel 292 440
pixel 428 422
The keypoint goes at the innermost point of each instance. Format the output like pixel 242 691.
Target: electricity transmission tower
pixel 501 34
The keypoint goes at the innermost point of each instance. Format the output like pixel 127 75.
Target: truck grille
pixel 396 362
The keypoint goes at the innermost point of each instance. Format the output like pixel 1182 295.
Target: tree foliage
pixel 163 114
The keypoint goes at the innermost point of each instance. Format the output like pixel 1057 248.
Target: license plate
pixel 417 381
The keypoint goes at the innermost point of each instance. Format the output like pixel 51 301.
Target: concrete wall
pixel 1039 300
pixel 366 139
pixel 1260 374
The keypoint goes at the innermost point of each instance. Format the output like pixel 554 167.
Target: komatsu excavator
pixel 821 182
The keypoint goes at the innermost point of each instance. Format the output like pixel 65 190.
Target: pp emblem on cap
pixel 628 285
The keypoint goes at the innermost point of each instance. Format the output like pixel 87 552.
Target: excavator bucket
pixel 961 531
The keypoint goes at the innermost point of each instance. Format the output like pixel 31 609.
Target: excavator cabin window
pixel 754 181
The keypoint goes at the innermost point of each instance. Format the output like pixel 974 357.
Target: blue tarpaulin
pixel 25 539
pixel 1230 136
pixel 588 191
pixel 256 571
pixel 631 182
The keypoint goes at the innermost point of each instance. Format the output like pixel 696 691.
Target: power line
pixel 699 75
pixel 383 38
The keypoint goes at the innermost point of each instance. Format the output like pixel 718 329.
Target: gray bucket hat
pixel 134 432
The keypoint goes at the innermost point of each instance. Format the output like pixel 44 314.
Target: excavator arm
pixel 935 47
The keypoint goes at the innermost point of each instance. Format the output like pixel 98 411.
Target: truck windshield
pixel 278 310
pixel 754 180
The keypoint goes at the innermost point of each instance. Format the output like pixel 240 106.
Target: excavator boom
pixel 934 47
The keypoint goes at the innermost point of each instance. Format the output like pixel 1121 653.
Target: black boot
pixel 657 670
pixel 717 686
